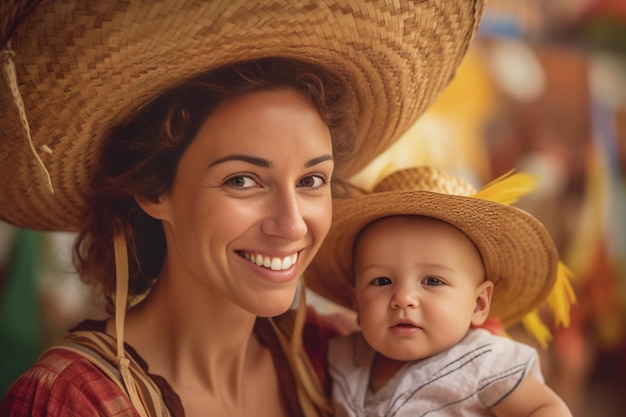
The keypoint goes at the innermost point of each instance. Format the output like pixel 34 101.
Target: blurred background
pixel 543 89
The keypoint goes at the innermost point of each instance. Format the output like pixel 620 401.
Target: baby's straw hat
pixel 76 68
pixel 517 250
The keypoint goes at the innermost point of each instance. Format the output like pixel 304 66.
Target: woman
pixel 196 143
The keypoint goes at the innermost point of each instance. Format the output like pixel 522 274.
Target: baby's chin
pixel 399 353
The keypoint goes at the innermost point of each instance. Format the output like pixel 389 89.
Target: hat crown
pixel 425 179
pixel 80 71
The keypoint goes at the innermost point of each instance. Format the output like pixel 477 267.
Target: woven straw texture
pixel 518 252
pixel 81 66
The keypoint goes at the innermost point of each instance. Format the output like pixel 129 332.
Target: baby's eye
pixel 380 281
pixel 313 181
pixel 241 181
pixel 432 281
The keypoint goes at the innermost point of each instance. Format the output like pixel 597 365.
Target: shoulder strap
pixel 99 349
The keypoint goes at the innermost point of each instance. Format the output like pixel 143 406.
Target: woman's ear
pixel 155 208
pixel 150 244
pixel 483 301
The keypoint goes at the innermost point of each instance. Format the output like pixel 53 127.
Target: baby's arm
pixel 531 398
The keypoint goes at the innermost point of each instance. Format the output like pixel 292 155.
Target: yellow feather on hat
pixel 508 189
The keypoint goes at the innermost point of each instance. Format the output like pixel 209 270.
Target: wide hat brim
pixel 517 250
pixel 82 67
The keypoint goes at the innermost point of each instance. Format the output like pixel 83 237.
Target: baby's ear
pixel 483 301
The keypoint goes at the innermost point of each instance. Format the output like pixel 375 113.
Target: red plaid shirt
pixel 62 383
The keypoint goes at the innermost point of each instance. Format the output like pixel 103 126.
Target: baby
pixel 430 262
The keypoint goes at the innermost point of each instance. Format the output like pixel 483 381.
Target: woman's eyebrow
pixel 264 163
pixel 245 158
pixel 318 160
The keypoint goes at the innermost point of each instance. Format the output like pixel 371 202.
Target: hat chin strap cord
pixel 121 297
pixel 309 392
pixel 10 79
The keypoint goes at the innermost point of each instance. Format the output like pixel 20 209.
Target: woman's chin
pixel 275 306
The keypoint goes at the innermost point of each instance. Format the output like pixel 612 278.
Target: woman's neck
pixel 193 339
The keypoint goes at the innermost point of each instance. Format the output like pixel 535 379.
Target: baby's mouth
pixel 270 262
pixel 406 324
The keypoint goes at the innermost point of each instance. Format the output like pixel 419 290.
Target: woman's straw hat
pixel 80 67
pixel 517 250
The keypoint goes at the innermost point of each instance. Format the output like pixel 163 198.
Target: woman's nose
pixel 285 217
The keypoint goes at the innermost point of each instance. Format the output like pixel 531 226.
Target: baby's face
pixel 419 284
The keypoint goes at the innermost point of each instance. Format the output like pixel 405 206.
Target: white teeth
pixel 276 264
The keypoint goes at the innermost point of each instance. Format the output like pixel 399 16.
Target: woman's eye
pixel 313 181
pixel 381 281
pixel 241 181
pixel 432 281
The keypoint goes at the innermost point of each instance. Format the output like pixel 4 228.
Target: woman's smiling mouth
pixel 273 263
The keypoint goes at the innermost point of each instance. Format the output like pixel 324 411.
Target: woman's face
pixel 251 201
